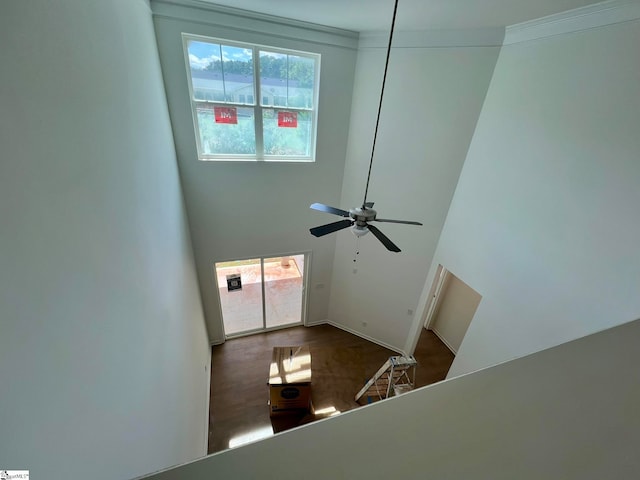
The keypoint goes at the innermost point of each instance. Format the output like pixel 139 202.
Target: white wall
pixel 249 209
pixel 544 219
pixel 432 101
pixel 543 416
pixel 102 337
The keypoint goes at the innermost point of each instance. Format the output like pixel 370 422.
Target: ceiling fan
pixel 359 218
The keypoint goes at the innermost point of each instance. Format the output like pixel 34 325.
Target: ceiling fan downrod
pixel 384 81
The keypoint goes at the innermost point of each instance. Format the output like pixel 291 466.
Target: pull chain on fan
pixel 358 218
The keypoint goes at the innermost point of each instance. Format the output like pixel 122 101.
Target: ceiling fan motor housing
pixel 362 216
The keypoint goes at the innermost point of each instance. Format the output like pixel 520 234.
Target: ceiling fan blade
pixel 383 238
pixel 368 204
pixel 408 222
pixel 321 207
pixel 330 228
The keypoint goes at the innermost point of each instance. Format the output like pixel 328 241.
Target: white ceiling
pixel 368 15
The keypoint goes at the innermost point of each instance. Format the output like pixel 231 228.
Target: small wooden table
pixel 290 380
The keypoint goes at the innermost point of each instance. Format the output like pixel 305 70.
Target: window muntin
pixel 226 78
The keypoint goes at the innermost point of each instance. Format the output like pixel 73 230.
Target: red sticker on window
pixel 288 119
pixel 226 114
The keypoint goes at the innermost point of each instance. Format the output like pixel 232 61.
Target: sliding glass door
pixel 283 290
pixel 261 293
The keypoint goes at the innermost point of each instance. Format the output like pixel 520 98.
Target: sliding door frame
pixel 304 308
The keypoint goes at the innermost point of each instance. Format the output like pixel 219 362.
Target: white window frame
pixel 257 105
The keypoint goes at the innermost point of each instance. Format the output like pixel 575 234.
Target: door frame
pixel 304 308
pixel 435 296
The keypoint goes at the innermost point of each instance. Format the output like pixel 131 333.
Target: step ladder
pixel 396 376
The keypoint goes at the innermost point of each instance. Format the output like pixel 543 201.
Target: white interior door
pixel 454 307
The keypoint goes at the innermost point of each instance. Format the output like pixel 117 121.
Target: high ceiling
pixel 370 15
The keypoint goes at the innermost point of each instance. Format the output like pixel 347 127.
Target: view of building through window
pixel 252 102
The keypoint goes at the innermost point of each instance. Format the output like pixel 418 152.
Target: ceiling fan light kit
pixel 358 218
pixel 359 231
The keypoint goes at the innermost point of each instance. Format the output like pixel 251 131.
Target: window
pixel 224 79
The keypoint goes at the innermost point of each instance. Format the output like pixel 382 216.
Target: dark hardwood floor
pixel 341 363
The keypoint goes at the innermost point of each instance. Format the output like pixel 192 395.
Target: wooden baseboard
pixel 344 328
pixel 443 340
pixel 319 322
pixel 366 337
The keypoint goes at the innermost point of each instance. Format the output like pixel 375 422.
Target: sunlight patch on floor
pixel 251 436
pixel 328 411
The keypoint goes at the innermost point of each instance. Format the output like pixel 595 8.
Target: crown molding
pixel 584 18
pixel 200 11
pixel 439 38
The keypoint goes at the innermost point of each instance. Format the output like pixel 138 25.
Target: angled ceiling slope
pixel 374 15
